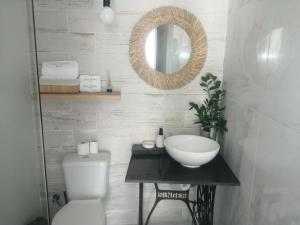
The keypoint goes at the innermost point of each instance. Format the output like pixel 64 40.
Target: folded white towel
pixel 66 70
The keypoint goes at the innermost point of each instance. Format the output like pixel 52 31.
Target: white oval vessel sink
pixel 190 150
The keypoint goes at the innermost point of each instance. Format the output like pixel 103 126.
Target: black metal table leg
pixel 204 205
pixel 151 211
pixel 171 195
pixel 141 190
pixel 201 212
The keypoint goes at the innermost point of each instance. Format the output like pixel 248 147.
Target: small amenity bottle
pixel 109 87
pixel 160 139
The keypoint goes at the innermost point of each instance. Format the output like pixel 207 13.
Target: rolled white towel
pixel 45 81
pixel 66 70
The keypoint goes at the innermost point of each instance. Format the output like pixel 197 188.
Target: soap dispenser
pixel 160 139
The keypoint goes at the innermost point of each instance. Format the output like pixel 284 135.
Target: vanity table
pixel 156 166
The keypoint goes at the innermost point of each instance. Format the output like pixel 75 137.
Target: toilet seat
pixel 81 212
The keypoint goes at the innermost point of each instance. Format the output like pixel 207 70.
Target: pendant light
pixel 107 14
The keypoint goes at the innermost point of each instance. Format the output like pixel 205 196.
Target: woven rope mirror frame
pixel 150 21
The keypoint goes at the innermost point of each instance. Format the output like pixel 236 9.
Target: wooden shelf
pixel 101 96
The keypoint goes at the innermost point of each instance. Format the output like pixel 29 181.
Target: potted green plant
pixel 210 113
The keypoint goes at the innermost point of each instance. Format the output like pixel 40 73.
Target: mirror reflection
pixel 168 48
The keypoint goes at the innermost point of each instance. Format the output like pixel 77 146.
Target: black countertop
pixel 156 166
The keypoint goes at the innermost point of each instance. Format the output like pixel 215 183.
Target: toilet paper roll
pixel 94 147
pixel 83 148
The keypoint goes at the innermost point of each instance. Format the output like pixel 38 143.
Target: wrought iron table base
pixel 202 208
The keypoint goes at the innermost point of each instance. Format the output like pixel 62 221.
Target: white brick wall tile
pixel 49 4
pixel 116 43
pixel 80 4
pixel 52 56
pixel 64 4
pixel 69 121
pixel 84 22
pixel 90 22
pixel 176 131
pixel 109 60
pixel 58 121
pixel 62 140
pixel 173 119
pixel 87 61
pixel 54 106
pixel 199 7
pixel 51 21
pixel 85 120
pixel 72 30
pixel 65 42
pixel 140 119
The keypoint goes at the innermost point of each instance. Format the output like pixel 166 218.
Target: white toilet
pixel 86 184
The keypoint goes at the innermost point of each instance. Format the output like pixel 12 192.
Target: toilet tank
pixel 86 177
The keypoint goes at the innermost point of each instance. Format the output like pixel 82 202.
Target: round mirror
pixel 167 48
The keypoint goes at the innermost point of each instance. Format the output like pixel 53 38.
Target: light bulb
pixel 107 15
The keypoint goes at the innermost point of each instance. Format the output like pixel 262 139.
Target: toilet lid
pixel 81 212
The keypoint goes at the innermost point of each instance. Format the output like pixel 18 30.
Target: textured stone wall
pixel 72 30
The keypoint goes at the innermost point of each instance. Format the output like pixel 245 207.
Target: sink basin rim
pixel 192 158
pixel 191 136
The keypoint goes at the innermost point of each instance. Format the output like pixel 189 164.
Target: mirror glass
pixel 168 48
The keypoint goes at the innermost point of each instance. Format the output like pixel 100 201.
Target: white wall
pixel 71 29
pixel 261 74
pixel 19 182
